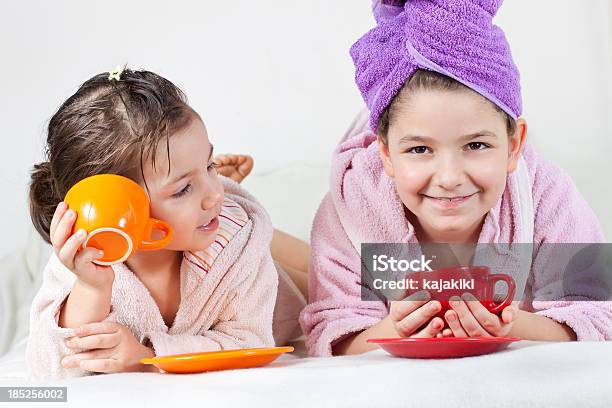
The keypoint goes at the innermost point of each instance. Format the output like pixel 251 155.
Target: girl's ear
pixel 516 143
pixel 383 149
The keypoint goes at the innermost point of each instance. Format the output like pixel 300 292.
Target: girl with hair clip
pixel 215 286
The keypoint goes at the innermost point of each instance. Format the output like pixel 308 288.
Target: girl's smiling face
pixel 190 197
pixel 449 153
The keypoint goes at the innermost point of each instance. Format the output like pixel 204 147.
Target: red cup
pixel 442 284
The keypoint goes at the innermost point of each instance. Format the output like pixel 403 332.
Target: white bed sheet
pixel 527 374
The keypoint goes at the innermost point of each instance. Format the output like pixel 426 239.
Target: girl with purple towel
pixel 443 160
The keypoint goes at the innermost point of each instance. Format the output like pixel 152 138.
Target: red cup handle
pixel 154 223
pixel 497 307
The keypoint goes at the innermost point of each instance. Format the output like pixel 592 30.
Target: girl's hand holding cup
pixel 469 318
pixel 410 316
pixel 67 247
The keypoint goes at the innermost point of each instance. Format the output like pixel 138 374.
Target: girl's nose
pixel 449 174
pixel 213 196
pixel 212 200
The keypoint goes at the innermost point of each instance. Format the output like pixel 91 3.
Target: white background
pixel 274 79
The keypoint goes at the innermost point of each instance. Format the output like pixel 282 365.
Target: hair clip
pixel 115 74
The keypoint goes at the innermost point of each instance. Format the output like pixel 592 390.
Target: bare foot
pixel 234 166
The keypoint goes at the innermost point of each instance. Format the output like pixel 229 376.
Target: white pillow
pixel 291 195
pixel 19 281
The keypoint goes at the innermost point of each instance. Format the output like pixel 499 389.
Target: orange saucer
pixel 217 360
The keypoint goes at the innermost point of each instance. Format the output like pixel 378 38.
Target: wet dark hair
pixel 107 126
pixel 427 80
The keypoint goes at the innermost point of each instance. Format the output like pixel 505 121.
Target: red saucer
pixel 443 347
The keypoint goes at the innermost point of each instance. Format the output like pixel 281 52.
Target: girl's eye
pixel 418 150
pixel 477 146
pixel 184 191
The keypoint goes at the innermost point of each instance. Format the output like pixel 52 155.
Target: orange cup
pixel 114 211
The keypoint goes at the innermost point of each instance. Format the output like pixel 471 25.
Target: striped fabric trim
pixel 231 220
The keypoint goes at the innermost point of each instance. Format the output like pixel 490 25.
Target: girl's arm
pixel 85 304
pixel 90 297
pixel 46 341
pixel 293 254
pixel 531 326
pixel 356 343
pixel 564 224
pixel 336 309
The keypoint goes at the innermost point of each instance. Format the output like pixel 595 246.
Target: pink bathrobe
pixel 540 204
pixel 226 305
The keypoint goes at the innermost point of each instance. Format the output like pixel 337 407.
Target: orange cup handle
pixel 497 307
pixel 157 244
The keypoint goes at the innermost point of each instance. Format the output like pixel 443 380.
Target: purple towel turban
pixel 456 38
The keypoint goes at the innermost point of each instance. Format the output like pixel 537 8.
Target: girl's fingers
pixel 454 325
pixel 509 314
pixel 487 320
pixel 63 229
pixel 431 330
pixel 95 341
pixel 221 159
pixel 68 251
pixel 75 359
pixel 106 365
pixel 97 328
pixel 466 318
pixel 402 308
pixel 86 256
pixel 57 216
pixel 409 324
pixel 244 162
